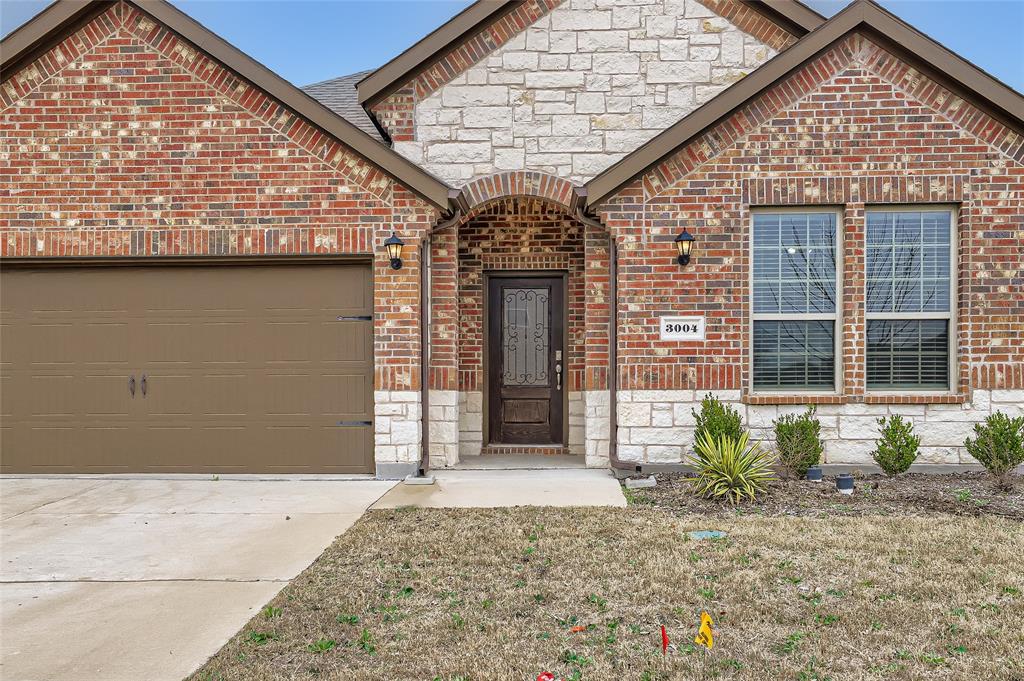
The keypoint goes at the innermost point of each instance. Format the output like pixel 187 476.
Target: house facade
pixel 197 279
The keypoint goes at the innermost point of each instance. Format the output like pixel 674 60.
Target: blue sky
pixel 311 40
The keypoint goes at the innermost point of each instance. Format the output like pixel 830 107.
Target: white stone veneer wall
pixel 597 407
pixel 580 88
pixel 396 426
pixel 656 426
pixel 471 423
pixel 577 423
pixel 444 428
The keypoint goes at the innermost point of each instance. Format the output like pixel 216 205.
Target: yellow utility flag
pixel 704 635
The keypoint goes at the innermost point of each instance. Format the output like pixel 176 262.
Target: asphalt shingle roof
pixel 339 95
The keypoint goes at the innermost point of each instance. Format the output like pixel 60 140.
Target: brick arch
pixel 516 183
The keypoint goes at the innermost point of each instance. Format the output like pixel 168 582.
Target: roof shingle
pixel 339 95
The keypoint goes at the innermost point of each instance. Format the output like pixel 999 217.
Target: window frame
pixel 954 304
pixel 836 316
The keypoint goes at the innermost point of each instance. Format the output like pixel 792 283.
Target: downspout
pixel 421 471
pixel 613 339
pixel 425 321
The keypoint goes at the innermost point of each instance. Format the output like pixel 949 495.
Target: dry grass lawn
pixel 509 593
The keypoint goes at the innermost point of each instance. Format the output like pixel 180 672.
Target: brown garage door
pixel 186 369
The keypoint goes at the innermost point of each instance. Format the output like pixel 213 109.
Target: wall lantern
pixel 394 246
pixel 684 242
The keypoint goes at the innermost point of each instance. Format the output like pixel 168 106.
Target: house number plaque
pixel 682 328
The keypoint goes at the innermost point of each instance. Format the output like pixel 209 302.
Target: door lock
pixel 558 377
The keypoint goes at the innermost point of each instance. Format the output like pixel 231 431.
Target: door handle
pixel 142 385
pixel 558 377
pixel 131 386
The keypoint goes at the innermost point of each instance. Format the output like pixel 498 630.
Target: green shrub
pixel 999 446
pixel 729 468
pixel 897 447
pixel 716 419
pixel 798 442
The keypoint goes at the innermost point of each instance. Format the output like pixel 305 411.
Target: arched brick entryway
pixel 530 230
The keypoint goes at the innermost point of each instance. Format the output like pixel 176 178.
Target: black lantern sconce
pixel 394 246
pixel 684 243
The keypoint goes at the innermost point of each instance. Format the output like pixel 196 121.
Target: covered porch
pixel 517 335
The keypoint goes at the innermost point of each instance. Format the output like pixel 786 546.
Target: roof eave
pixel 793 15
pixel 22 43
pixel 421 55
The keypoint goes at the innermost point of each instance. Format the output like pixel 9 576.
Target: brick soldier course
pixel 554 130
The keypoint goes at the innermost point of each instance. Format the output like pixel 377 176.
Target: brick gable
pixel 846 129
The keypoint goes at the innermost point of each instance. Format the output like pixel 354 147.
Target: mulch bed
pixel 964 494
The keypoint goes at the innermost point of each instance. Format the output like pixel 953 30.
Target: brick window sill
pixel 794 399
pixel 904 398
pixel 901 398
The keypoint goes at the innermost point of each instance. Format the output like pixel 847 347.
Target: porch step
pixel 534 450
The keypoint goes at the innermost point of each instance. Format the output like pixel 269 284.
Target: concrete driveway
pixel 146 578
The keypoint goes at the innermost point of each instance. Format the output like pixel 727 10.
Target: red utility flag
pixel 664 640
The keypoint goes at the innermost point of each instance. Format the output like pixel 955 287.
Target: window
pixel 909 262
pixel 794 317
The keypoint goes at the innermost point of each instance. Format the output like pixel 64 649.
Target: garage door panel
pixel 288 342
pixel 343 396
pixel 247 369
pixel 43 447
pixel 79 396
pixel 346 341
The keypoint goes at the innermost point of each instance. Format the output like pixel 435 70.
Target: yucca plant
pixel 730 468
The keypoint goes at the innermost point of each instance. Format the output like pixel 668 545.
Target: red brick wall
pixel 124 140
pixel 518 234
pixel 855 127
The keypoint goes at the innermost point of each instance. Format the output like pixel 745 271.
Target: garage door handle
pixel 355 318
pixel 355 423
pixel 142 385
pixel 131 386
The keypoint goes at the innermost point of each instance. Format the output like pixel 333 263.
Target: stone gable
pixel 580 88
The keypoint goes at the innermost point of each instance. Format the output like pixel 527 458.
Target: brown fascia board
pixel 792 15
pixel 24 42
pixel 56 21
pixel 980 88
pixel 424 53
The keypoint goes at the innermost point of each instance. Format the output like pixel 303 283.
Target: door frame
pixel 488 275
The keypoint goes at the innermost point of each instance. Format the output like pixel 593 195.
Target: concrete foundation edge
pixel 391 470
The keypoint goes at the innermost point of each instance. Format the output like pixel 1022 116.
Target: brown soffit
pixel 424 53
pixel 60 18
pixel 978 87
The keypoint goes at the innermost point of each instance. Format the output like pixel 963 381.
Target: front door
pixel 526 363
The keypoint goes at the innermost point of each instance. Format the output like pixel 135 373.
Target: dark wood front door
pixel 526 362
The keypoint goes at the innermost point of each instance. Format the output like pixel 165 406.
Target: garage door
pixel 201 369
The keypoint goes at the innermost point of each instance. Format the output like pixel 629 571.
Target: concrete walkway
pixel 485 488
pixel 146 578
